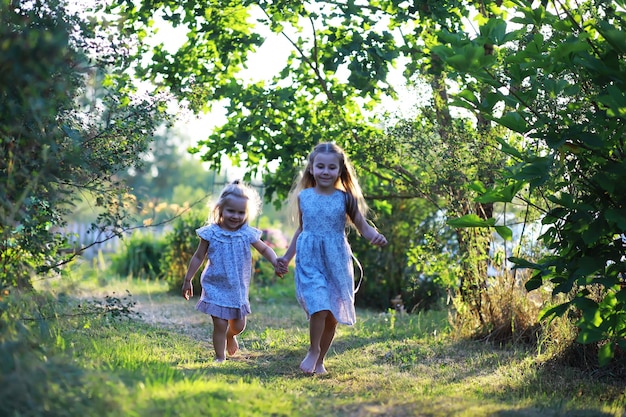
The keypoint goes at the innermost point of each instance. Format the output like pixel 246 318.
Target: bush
pixel 506 314
pixel 140 257
pixel 36 377
pixel 179 247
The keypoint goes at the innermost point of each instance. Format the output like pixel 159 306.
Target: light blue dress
pixel 226 277
pixel 324 274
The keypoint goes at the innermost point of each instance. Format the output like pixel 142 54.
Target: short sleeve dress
pixel 226 277
pixel 324 274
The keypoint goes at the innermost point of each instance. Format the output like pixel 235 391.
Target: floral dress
pixel 226 278
pixel 324 274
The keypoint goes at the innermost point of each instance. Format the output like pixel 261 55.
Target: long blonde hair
pixel 347 182
pixel 241 190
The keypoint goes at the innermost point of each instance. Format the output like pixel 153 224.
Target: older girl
pixel 327 196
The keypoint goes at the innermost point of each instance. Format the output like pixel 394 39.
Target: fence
pixel 95 241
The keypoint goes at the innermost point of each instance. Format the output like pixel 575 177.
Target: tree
pixel 559 75
pixel 69 121
pixel 338 69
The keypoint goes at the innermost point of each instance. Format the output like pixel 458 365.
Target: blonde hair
pixel 239 190
pixel 347 181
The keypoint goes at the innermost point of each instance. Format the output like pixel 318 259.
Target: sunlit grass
pixel 161 363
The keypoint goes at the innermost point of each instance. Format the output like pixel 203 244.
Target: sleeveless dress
pixel 324 275
pixel 226 277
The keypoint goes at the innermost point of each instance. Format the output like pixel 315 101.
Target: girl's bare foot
pixel 219 360
pixel 308 363
pixel 320 369
pixel 232 346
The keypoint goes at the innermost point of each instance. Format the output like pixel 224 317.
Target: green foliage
pixel 140 256
pixel 179 246
pixel 276 121
pixel 395 270
pixel 66 128
pixel 262 271
pixel 334 75
pixel 565 78
pixel 168 174
pixel 38 374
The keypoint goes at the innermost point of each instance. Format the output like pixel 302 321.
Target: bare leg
pixel 235 327
pixel 327 339
pixel 317 324
pixel 220 326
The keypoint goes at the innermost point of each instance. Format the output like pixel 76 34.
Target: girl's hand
pixel 281 267
pixel 187 290
pixel 378 240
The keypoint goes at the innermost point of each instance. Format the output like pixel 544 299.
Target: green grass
pixel 386 365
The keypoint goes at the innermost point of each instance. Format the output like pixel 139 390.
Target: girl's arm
pixel 367 231
pixel 269 254
pixel 194 264
pixel 291 250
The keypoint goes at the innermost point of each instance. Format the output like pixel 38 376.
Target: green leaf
pixel 495 30
pixel 589 309
pixel 477 186
pixel 514 121
pixel 615 37
pixel 534 282
pixel 590 335
pixel 508 149
pixel 521 263
pixel 469 96
pixel 556 311
pixel 588 265
pixel 501 195
pixel 535 172
pixel 616 216
pixel 563 199
pixel 504 232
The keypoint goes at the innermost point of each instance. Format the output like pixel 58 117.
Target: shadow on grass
pixel 478 369
pixel 414 348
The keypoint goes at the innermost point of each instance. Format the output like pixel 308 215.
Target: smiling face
pixel 234 213
pixel 326 169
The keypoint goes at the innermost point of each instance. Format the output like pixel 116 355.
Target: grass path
pixel 385 365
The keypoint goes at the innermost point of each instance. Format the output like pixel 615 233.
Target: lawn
pixel 154 358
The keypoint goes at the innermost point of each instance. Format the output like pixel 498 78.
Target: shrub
pixel 507 314
pixel 179 246
pixel 140 256
pixel 36 377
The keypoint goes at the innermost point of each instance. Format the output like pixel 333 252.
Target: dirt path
pixel 173 313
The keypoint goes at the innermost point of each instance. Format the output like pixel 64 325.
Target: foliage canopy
pixel 69 121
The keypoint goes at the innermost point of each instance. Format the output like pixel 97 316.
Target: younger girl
pixel 226 278
pixel 327 196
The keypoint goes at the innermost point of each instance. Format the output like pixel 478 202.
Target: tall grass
pixel 161 364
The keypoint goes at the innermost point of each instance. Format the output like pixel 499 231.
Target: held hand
pixel 378 240
pixel 281 267
pixel 187 290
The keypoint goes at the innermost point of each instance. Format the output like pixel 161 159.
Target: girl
pixel 226 278
pixel 327 195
